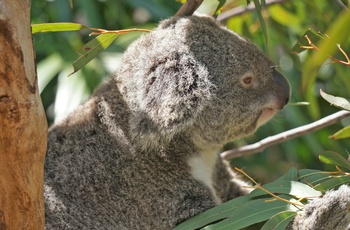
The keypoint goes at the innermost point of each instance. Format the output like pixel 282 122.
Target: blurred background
pixel 286 21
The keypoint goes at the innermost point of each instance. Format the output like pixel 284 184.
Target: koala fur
pixel 329 212
pixel 142 153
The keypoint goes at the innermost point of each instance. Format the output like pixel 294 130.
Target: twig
pixel 267 191
pixel 342 4
pixel 314 47
pixel 243 9
pixel 102 31
pixel 281 137
pixel 188 8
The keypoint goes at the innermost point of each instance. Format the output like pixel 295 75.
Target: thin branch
pixel 314 47
pixel 282 137
pixel 125 31
pixel 267 191
pixel 342 5
pixel 243 9
pixel 188 8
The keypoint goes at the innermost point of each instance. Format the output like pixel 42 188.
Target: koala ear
pixel 174 91
pixel 163 82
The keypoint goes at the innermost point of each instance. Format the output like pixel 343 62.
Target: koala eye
pixel 248 80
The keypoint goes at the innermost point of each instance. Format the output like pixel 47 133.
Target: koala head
pixel 192 76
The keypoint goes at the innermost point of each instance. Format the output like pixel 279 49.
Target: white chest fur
pixel 202 168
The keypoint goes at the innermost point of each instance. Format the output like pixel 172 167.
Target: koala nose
pixel 282 90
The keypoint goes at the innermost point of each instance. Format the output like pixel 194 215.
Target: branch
pixel 188 8
pixel 23 124
pixel 314 47
pixel 342 5
pixel 243 9
pixel 282 137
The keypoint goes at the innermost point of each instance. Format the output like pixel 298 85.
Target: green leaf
pixel 300 103
pixel 341 134
pixel 339 102
pixel 90 50
pixel 250 213
pixel 327 48
pixel 219 7
pixel 313 177
pixel 282 16
pixel 334 158
pixel 279 221
pixel 333 183
pixel 258 8
pixel 57 27
pixel 222 211
pixel 313 35
pixel 292 174
pixel 98 44
pixel 294 188
pixel 71 92
pixel 48 68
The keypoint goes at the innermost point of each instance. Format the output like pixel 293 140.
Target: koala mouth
pixel 265 115
pixel 271 108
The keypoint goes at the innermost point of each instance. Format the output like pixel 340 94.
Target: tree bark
pixel 23 126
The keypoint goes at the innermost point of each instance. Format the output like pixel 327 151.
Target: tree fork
pixel 23 126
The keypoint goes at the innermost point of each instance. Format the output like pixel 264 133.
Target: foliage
pixel 57 51
pixel 90 50
pixel 275 204
pixel 219 8
pixel 258 7
pixel 286 25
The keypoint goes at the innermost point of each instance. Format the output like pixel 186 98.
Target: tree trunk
pixel 23 126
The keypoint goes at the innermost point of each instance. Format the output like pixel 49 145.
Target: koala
pixel 143 151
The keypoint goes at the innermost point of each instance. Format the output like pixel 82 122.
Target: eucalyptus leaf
pixel 283 16
pixel 279 221
pixel 90 50
pixel 333 158
pixel 57 27
pixel 252 212
pixel 294 188
pixel 313 177
pixel 219 7
pixel 313 35
pixel 220 212
pixel 326 48
pixel 71 92
pixel 258 9
pixel 341 134
pixel 292 174
pixel 333 183
pixel 339 102
pixel 48 68
pixel 97 44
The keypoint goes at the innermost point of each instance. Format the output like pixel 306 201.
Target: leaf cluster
pixel 274 205
pixel 90 50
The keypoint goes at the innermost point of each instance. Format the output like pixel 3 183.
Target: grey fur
pixel 142 153
pixel 328 213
